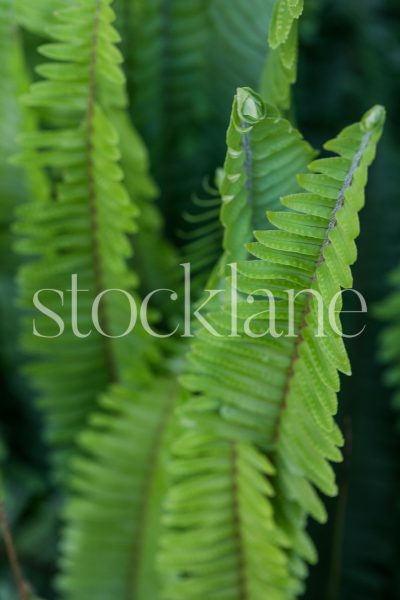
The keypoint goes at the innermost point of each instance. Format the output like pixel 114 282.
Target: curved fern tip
pixel 374 118
pixel 250 105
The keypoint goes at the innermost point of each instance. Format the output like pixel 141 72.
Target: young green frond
pixel 83 229
pixel 202 235
pixel 265 154
pixel 113 517
pixel 273 382
pixel 280 70
pixel 222 541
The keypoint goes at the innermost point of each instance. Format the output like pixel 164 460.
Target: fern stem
pixel 236 515
pixel 23 588
pixel 97 268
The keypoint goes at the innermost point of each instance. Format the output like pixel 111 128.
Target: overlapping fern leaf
pixel 202 234
pixel 280 70
pixel 389 311
pixel 113 519
pixel 149 241
pixel 275 390
pixel 265 153
pixel 82 228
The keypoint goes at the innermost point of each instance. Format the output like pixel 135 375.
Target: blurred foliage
pixel 350 59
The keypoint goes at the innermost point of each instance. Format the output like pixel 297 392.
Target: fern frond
pixel 202 235
pixel 84 229
pixel 249 183
pixel 285 15
pixel 265 154
pixel 280 70
pixel 279 393
pixel 113 518
pixel 222 532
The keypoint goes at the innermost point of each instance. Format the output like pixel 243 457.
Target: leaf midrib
pixel 150 474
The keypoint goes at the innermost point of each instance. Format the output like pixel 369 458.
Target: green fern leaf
pixel 114 515
pixel 280 70
pixel 222 532
pixel 265 153
pixel 279 393
pixel 84 231
pixel 249 184
pixel 203 235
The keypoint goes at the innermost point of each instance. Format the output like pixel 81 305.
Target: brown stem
pixel 23 588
